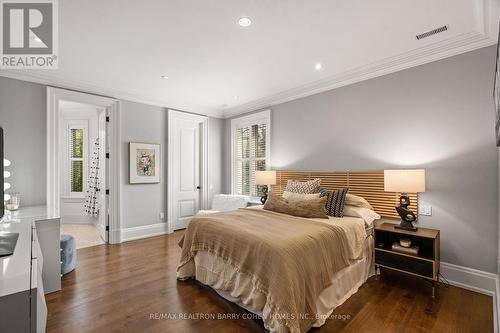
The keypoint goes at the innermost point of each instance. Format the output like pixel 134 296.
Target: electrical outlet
pixel 425 210
pixel 162 216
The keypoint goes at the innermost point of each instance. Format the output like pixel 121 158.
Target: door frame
pixel 204 175
pixel 112 107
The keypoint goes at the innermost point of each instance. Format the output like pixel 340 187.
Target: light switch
pixel 425 210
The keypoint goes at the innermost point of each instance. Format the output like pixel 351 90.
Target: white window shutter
pixel 251 151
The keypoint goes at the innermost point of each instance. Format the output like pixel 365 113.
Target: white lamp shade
pixel 404 180
pixel 6 197
pixel 265 177
pixel 6 174
pixel 6 186
pixel 6 162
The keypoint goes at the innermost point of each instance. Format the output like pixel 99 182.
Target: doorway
pixel 81 152
pixel 187 167
pixel 82 145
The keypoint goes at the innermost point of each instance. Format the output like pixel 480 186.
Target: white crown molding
pixel 487 18
pixel 86 87
pixel 386 66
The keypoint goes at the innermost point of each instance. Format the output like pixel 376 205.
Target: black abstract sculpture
pixel 263 198
pixel 407 216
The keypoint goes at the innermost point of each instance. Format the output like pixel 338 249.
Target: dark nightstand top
pixel 421 232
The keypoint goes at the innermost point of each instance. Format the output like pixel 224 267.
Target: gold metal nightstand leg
pixel 433 289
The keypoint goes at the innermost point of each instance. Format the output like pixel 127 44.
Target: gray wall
pixel 438 116
pixel 141 204
pixel 216 156
pixel 23 118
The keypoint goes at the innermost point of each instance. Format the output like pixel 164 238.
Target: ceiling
pixel 121 48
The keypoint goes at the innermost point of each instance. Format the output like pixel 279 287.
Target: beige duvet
pixel 290 260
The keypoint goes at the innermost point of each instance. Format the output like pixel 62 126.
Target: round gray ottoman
pixel 68 254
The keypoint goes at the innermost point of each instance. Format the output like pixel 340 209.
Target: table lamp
pixel 405 181
pixel 266 178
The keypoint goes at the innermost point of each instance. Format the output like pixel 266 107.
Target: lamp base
pixel 263 198
pixel 404 225
pixel 407 216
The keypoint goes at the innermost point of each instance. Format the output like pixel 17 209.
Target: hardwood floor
pixel 132 287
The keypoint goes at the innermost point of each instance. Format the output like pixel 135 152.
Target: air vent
pixel 432 32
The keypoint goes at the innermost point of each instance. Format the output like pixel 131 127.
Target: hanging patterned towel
pixel 94 183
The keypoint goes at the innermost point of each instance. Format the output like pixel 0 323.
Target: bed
pixel 291 271
pixel 324 261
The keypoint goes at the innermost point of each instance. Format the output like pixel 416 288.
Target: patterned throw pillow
pixel 311 186
pixel 335 201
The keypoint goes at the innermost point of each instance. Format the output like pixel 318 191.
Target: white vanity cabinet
pixel 33 270
pixel 37 265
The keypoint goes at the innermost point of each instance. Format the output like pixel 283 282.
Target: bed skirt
pixel 237 288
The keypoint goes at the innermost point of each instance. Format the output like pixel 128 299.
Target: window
pixel 250 152
pixel 76 159
pixel 77 153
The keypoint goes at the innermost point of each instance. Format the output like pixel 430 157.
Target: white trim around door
pixel 112 107
pixel 204 181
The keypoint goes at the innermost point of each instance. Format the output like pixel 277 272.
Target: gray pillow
pixel 308 187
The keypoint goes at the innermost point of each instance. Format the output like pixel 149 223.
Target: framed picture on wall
pixel 145 163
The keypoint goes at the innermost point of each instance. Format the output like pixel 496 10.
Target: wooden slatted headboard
pixel 367 184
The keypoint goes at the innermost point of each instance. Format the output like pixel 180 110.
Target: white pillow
pixel 366 214
pixel 356 200
pixel 292 196
pixel 228 202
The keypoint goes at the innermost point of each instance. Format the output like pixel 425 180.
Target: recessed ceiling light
pixel 318 66
pixel 245 22
pixel 164 77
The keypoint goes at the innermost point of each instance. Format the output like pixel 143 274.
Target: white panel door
pixel 186 164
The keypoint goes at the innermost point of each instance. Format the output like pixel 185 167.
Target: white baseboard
pixel 475 280
pixel 145 231
pixel 471 279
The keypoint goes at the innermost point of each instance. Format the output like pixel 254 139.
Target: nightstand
pixel 425 264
